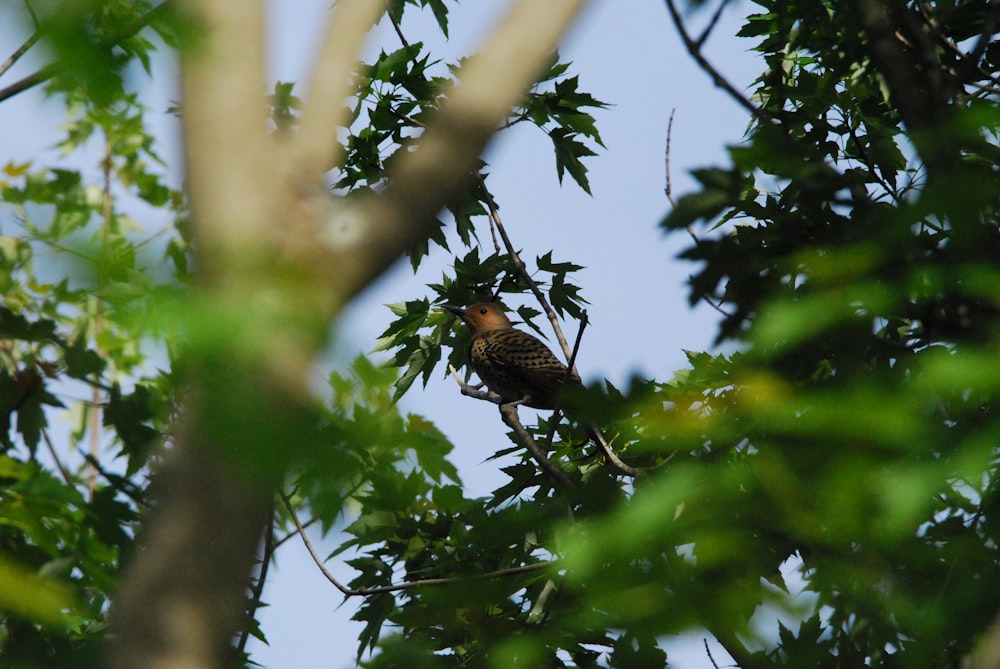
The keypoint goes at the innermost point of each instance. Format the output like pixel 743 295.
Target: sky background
pixel 627 54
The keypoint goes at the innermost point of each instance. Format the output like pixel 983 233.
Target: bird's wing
pixel 526 355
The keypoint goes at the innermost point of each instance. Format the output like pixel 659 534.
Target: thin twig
pixel 694 49
pixel 258 587
pixel 48 71
pixel 363 592
pixel 667 459
pixel 55 458
pixel 406 117
pixel 493 215
pixel 494 221
pixel 21 50
pixel 30 81
pixel 595 432
pixel 168 227
pixel 598 436
pixel 717 305
pixel 554 420
pixel 519 266
pixel 279 542
pixel 474 391
pixel 708 651
pixel 605 448
pixel 34 15
pixel 711 24
pixel 395 24
pixel 668 189
pixel 584 322
pixel 736 649
pixel 116 481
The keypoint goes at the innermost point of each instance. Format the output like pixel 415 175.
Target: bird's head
pixel 481 317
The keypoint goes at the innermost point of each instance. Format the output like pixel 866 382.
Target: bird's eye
pixel 483 311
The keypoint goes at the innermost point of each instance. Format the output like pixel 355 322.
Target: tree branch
pixel 522 271
pixel 47 72
pixel 708 651
pixel 225 116
pixel 433 174
pixel 554 420
pixel 510 418
pixel 736 649
pixel 278 257
pixel 409 585
pixel 395 24
pixel 605 448
pixel 193 563
pixel 30 81
pixel 508 413
pixel 694 48
pixel 315 148
pixel 257 590
pixel 668 188
pixel 700 42
pixel 67 479
pixel 474 391
pixel 20 51
pixel 213 503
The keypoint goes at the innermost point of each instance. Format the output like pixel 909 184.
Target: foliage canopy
pixel 821 493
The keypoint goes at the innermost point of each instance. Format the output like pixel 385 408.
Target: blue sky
pixel 626 54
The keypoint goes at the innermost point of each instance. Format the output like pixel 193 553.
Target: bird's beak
pixel 458 311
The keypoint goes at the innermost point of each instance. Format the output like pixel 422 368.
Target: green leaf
pixel 569 151
pixel 130 416
pixel 31 419
pixel 546 264
pixel 30 596
pixel 15 326
pixel 440 10
pixel 432 449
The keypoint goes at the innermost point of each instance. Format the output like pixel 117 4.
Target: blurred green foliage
pixel 817 492
pixel 824 496
pixel 98 331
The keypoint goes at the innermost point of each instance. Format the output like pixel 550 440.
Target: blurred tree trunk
pixel 278 257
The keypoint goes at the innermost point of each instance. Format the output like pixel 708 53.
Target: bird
pixel 521 369
pixel 515 365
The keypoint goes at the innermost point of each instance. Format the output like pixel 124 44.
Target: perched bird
pixel 521 369
pixel 515 365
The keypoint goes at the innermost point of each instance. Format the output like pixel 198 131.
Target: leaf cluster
pixel 835 480
pixel 561 109
pixel 850 247
pixel 79 414
pixel 89 291
pixel 822 493
pixel 401 89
